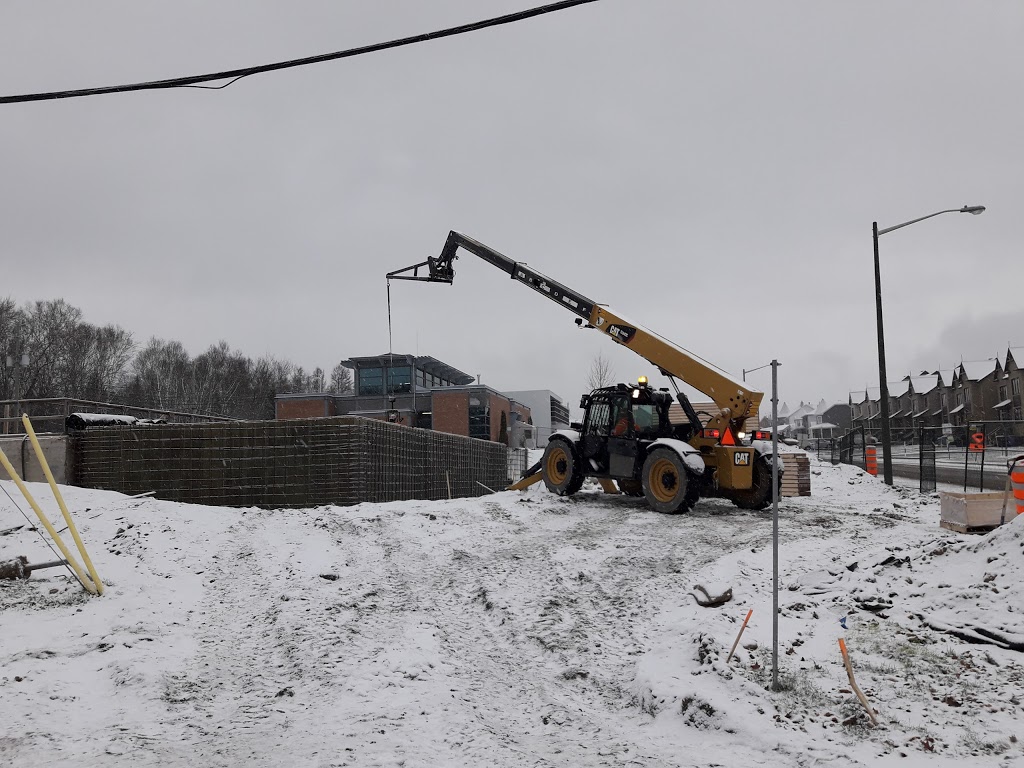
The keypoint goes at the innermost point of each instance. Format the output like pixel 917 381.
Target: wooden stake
pixel 738 636
pixel 60 503
pixel 853 683
pixel 79 573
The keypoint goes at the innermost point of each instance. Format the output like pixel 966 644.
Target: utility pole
pixel 775 525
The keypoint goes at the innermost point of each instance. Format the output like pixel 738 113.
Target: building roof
pixel 429 364
pixel 957 409
pixel 922 385
pixel 858 397
pixel 822 407
pixel 899 388
pixel 1017 354
pixel 1002 404
pixel 978 369
pixel 538 392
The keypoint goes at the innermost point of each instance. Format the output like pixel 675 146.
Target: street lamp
pixel 883 385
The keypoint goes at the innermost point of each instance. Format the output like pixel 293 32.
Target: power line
pixel 236 74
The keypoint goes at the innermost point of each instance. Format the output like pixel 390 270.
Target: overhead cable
pixel 236 74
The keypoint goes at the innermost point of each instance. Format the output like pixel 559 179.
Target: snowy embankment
pixel 514 630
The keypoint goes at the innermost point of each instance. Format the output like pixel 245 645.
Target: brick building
pixel 417 391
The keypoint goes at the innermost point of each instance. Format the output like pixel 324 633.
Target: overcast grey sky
pixel 709 169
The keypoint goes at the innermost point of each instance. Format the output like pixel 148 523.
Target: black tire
pixel 759 495
pixel 665 481
pixel 693 489
pixel 560 467
pixel 631 487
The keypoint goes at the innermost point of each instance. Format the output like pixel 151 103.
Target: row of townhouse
pixel 977 391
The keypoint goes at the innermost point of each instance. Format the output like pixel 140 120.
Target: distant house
pixel 1009 405
pixel 810 421
pixel 921 395
pixel 975 390
pixel 829 420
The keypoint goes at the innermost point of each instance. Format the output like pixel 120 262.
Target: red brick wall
pixel 522 410
pixel 312 407
pixel 499 405
pixel 450 412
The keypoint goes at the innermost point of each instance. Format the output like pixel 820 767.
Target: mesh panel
pixel 302 463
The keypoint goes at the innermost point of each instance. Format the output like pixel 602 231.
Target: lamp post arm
pixel 914 221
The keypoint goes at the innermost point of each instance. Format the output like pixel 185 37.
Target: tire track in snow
pixel 503 633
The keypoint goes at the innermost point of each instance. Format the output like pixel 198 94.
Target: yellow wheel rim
pixel 557 468
pixel 664 480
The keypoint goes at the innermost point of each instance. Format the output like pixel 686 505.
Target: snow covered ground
pixel 514 630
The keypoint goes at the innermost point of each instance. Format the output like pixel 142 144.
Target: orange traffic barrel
pixel 1017 481
pixel 871 461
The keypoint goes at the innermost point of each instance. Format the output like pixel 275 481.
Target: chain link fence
pixel 518 459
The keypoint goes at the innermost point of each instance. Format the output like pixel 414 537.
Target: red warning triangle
pixel 728 438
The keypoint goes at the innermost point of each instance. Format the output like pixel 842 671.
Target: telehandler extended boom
pixel 672 465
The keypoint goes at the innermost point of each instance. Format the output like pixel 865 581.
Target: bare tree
pixel 341 379
pixel 316 379
pixel 601 373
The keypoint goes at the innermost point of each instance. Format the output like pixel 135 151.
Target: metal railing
pixel 49 414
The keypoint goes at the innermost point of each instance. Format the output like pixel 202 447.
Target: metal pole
pixel 775 525
pixel 17 394
pixel 882 381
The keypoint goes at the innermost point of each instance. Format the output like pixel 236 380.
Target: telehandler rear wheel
pixel 665 481
pixel 561 468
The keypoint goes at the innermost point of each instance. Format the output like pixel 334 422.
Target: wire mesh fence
pixel 302 463
pixel 518 458
pixel 973 456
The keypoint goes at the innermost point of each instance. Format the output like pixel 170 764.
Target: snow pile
pixel 514 629
pixel 900 598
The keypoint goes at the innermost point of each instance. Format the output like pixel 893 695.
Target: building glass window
pixel 1002 392
pixel 1015 386
pixel 371 381
pixel 479 419
pixel 400 379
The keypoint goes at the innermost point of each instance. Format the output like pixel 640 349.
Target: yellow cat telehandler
pixel 626 438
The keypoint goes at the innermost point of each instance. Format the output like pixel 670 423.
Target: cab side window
pixel 647 419
pixel 623 425
pixel 599 419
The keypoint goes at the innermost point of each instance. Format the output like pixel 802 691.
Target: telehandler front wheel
pixel 560 467
pixel 759 495
pixel 665 481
